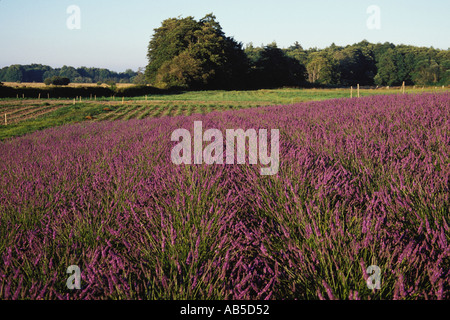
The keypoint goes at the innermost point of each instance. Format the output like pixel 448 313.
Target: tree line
pixel 40 73
pixel 185 53
pixel 190 54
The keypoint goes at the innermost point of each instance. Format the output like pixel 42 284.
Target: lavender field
pixel 361 182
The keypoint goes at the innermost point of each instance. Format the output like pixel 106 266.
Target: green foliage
pixel 271 67
pixel 366 63
pixel 189 54
pixel 57 81
pixel 414 65
pixel 139 79
pixel 55 92
pixel 112 84
pixel 387 69
pixel 320 68
pixel 186 53
pixel 13 74
pixel 427 71
pixel 48 81
pixel 355 66
pixel 298 53
pixel 38 72
pixel 167 42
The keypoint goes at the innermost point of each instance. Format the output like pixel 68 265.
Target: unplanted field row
pixel 15 115
pixel 28 110
pixel 127 112
pixel 131 101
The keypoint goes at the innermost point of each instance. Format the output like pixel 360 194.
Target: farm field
pixel 31 114
pixel 362 182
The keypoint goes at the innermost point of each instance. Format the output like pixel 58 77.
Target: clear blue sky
pixel 114 34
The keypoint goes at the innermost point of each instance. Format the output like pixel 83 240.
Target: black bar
pixel 224 309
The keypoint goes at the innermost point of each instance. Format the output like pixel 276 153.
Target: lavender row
pixel 361 182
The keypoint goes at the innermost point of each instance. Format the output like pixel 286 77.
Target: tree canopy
pixel 186 53
pixel 57 81
pixel 197 54
pixel 39 72
pixel 192 54
pixel 270 66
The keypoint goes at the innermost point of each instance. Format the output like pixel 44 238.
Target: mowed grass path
pixel 29 115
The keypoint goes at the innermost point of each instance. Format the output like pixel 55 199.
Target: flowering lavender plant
pixel 361 182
